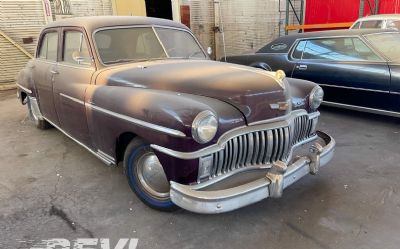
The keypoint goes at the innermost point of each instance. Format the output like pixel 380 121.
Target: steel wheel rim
pixel 152 177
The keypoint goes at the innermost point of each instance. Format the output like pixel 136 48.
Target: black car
pixel 358 69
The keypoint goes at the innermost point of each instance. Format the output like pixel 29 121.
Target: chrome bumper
pixel 278 178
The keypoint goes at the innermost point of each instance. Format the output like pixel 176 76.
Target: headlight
pixel 204 127
pixel 316 97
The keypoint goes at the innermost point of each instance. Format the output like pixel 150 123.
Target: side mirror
pixel 76 56
pixel 209 51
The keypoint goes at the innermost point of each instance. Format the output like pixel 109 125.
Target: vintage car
pixel 190 132
pixel 358 69
pixel 384 21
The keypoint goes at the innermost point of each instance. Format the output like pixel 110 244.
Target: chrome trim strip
pixel 395 93
pixel 72 98
pixel 159 128
pixel 105 160
pixel 266 125
pixel 363 109
pixel 354 88
pixel 24 88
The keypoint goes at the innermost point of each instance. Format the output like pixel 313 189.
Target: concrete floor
pixel 50 187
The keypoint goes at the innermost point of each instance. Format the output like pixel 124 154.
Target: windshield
pixel 145 43
pixel 387 43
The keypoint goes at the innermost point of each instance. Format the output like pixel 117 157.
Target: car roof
pixel 380 17
pixel 95 22
pixel 290 39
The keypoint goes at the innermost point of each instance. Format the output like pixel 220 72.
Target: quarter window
pixel 298 52
pixel 48 47
pixel 339 49
pixel 356 25
pixel 75 48
pixel 373 24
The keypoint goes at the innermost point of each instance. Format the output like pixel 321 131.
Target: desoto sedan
pixel 206 136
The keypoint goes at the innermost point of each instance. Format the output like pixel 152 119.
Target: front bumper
pixel 279 177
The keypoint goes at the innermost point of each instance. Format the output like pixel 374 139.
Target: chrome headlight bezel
pixel 316 98
pixel 197 125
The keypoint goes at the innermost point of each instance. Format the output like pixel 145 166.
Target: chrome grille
pixel 261 147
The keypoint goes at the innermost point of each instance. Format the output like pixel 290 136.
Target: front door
pixel 348 70
pixel 44 73
pixel 74 75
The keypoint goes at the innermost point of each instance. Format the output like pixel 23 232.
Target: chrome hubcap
pixel 152 177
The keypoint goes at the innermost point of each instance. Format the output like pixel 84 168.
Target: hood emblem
pixel 281 106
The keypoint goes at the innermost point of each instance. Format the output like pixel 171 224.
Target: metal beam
pixel 16 44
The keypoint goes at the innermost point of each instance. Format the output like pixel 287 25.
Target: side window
pixel 373 24
pixel 75 49
pixel 48 47
pixel 393 24
pixel 298 51
pixel 339 49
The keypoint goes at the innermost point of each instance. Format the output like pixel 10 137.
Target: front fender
pixel 114 110
pixel 300 93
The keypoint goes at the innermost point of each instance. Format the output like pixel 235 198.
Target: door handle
pixel 302 67
pixel 54 72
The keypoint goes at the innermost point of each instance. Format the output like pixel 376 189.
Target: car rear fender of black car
pixel 25 83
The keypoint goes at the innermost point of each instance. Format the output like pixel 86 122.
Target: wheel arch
pixel 122 143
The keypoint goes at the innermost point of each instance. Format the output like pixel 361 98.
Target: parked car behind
pixel 358 69
pixel 141 91
pixel 385 21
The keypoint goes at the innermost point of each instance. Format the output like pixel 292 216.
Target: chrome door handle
pixel 54 72
pixel 302 67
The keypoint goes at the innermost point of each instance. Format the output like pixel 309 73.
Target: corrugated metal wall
pixel 248 25
pixel 18 19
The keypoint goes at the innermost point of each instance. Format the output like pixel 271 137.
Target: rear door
pixel 45 70
pixel 348 70
pixel 73 77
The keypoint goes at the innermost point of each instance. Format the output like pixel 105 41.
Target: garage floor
pixel 50 187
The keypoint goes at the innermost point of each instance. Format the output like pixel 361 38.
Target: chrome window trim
pixel 139 122
pixel 142 26
pixel 278 122
pixel 355 88
pixel 72 98
pixel 24 88
pixel 361 37
pixel 362 109
pixel 109 160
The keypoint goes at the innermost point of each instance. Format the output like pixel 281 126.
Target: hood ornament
pixel 280 76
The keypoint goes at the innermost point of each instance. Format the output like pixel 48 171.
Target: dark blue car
pixel 358 69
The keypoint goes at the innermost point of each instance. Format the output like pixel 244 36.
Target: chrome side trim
pixel 72 98
pixel 107 160
pixel 363 109
pixel 159 128
pixel 24 88
pixel 354 88
pixel 265 125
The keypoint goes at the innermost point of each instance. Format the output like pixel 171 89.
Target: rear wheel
pixel 146 176
pixel 35 115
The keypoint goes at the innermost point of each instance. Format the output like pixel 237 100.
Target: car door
pixel 73 77
pixel 44 72
pixel 348 70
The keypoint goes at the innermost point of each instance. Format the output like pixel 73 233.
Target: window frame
pixel 361 38
pixel 40 43
pixel 62 43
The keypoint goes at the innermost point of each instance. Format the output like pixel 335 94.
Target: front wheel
pixel 35 116
pixel 146 176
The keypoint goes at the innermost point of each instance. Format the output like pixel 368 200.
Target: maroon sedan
pixel 206 136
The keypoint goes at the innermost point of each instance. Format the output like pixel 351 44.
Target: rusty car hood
pixel 252 91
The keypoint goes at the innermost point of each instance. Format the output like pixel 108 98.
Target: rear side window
pixel 49 46
pixel 356 25
pixel 298 51
pixel 372 24
pixel 75 48
pixel 339 49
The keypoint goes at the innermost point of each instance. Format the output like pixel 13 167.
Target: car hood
pixel 252 91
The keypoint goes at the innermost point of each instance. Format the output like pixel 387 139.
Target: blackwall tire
pixel 146 176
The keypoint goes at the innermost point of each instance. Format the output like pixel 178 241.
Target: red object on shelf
pixel 338 11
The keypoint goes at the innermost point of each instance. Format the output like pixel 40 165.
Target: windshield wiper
pixel 119 61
